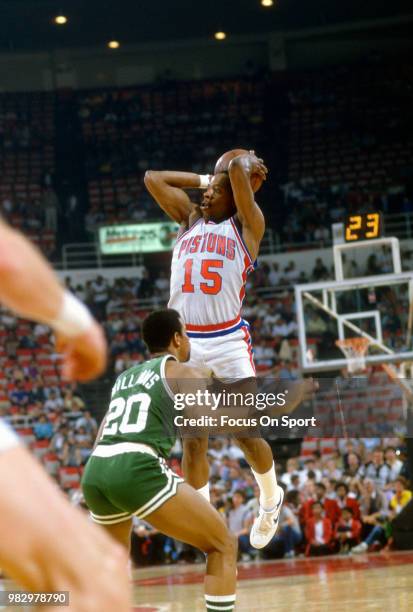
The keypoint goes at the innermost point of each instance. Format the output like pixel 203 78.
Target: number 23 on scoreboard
pixel 366 226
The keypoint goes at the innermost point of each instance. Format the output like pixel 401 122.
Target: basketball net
pixel 355 350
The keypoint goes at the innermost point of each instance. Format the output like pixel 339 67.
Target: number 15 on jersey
pixel 212 280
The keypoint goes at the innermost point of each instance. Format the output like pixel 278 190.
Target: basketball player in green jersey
pixel 127 474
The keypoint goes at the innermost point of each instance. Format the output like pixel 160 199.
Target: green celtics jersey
pixel 142 408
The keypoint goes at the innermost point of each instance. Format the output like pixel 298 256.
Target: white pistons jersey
pixel 210 264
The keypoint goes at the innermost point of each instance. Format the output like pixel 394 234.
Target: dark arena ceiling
pixel 27 25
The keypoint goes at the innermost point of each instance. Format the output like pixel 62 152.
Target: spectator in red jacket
pixel 318 532
pixel 348 530
pixel 330 506
pixel 344 501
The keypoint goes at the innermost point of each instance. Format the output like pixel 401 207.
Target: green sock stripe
pixel 225 603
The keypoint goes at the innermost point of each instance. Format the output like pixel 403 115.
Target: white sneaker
pixel 266 524
pixel 361 548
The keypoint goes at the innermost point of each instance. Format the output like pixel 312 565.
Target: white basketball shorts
pixel 225 354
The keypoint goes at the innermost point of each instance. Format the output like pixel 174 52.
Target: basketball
pixel 222 165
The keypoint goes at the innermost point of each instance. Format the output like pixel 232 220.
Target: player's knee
pixel 248 445
pixel 223 542
pixel 195 447
pixel 227 545
pixel 230 546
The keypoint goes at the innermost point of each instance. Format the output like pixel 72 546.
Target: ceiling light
pixel 267 3
pixel 60 19
pixel 113 44
pixel 220 35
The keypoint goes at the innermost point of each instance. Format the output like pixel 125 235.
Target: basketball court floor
pixel 379 582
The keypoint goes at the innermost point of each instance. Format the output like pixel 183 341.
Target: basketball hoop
pixel 355 350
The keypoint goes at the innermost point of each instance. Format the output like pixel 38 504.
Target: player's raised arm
pixel 240 170
pixel 168 190
pixel 30 288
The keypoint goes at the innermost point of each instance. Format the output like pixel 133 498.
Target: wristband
pixel 204 180
pixel 73 319
pixel 8 438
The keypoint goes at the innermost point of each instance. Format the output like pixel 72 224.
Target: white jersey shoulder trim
pixel 163 375
pixel 241 240
pixel 180 236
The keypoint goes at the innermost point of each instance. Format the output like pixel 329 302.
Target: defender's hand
pixel 85 356
pixel 309 388
pixel 300 391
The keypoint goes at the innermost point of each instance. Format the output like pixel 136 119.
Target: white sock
pixel 267 483
pixel 220 602
pixel 204 491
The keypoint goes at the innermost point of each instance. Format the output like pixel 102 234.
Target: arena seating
pixel 180 126
pixel 332 140
pixel 27 147
pixel 346 124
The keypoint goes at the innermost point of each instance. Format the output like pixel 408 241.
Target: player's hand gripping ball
pixel 222 165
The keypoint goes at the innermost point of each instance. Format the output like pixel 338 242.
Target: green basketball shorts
pixel 125 480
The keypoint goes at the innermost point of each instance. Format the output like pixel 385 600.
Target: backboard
pixel 379 308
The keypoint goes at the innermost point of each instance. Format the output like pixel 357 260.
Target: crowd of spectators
pixel 343 146
pixel 37 218
pixel 348 150
pixel 335 160
pixel 51 415
pixel 187 125
pixel 342 502
pixel 171 125
pixel 27 142
pixel 314 206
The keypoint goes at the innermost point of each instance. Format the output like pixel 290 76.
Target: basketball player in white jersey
pixel 216 249
pixel 45 543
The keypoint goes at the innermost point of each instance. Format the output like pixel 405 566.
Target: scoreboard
pixel 365 226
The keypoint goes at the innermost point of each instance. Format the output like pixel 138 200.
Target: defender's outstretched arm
pixel 191 382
